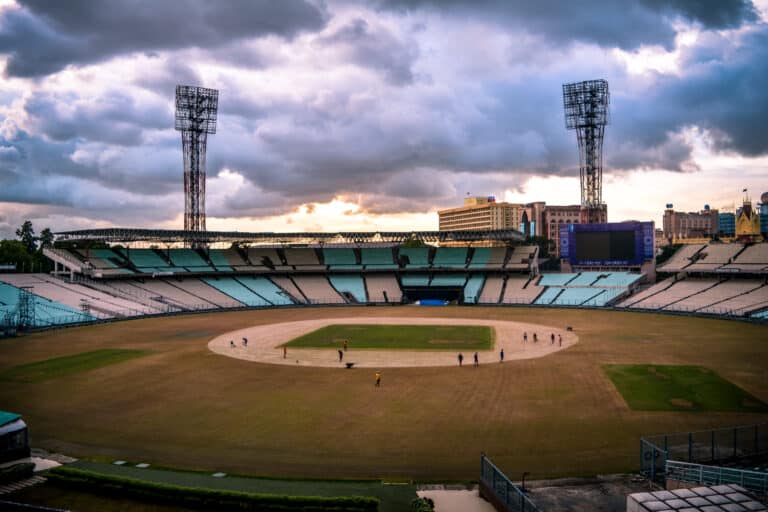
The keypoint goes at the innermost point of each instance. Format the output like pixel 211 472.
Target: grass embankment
pixel 393 337
pixel 69 365
pixel 679 388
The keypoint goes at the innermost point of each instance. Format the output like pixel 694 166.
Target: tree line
pixel 26 252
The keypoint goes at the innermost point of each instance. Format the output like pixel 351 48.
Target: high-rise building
pixel 682 225
pixel 481 213
pixel 727 224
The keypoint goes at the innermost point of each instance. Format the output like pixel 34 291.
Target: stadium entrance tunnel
pixel 436 294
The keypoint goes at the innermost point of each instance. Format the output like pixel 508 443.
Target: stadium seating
pixel 520 290
pixel 303 259
pixel 417 257
pixel 266 289
pixel 741 304
pixel 170 294
pixel 350 284
pixel 290 288
pixel 585 279
pixel 648 292
pixel 472 288
pixel 576 296
pixel 146 260
pixel 47 312
pixel 717 294
pixel 236 290
pixel 678 291
pixel 341 259
pixel 521 257
pixel 205 292
pixel 681 258
pixel 415 280
pixel 377 259
pixel 491 293
pixel 549 295
pixel 264 259
pixel 383 288
pixel 107 261
pixel 617 279
pixel 448 280
pixel 318 290
pixel 189 259
pixel 556 279
pixel 714 256
pixel 605 297
pixel 450 257
pixel 488 257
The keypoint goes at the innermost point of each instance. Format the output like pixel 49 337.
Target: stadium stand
pixel 549 295
pixel 682 258
pixel 350 285
pixel 105 260
pixel 383 288
pixel 341 259
pixel 714 256
pixel 263 259
pixel 189 260
pixel 146 260
pixel 448 280
pixel 521 257
pixel 742 304
pixel 237 290
pixel 266 289
pixel 128 290
pixel 605 297
pixel 472 288
pixel 318 290
pixel 754 258
pixel 204 291
pixel 488 257
pixel 303 259
pixel 170 294
pixel 520 290
pixel 647 293
pixel 585 279
pixel 220 259
pixel 491 293
pixel 415 257
pixel 717 294
pixel 289 288
pixel 377 259
pixel 678 291
pixel 450 257
pixel 617 279
pixel 557 279
pixel 576 296
pixel 47 312
pixel 415 280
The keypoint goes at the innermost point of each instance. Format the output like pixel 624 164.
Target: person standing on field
pixel 461 358
pixel 378 379
pixel 501 355
pixel 477 361
pixel 341 355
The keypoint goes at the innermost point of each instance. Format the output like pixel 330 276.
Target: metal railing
pixel 503 493
pixel 754 481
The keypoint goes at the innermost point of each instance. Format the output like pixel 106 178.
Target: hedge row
pixel 207 498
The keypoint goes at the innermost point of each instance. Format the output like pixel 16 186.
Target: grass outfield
pixel 68 365
pixel 411 337
pixel 679 388
pixel 184 406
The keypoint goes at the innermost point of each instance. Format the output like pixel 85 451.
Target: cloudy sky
pixel 345 114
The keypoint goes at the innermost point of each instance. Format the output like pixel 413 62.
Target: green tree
pixel 46 238
pixel 26 234
pixel 14 252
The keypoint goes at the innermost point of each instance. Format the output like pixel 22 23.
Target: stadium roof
pixel 170 236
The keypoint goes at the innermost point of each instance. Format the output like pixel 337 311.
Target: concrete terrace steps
pixel 21 484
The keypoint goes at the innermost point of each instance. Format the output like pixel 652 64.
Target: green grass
pixel 413 337
pixel 679 388
pixel 69 365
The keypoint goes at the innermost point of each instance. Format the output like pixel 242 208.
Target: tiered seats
pixel 492 290
pixel 605 297
pixel 516 291
pixel 617 279
pixel 303 259
pixel 585 279
pixel 676 292
pixel 741 304
pixel 204 291
pixel 171 294
pixel 318 290
pixel 450 257
pixel 146 260
pixel 472 288
pixel 682 258
pixel 576 296
pixel 351 284
pixel 417 257
pixel 107 261
pixel 648 292
pixel 448 280
pixel 47 312
pixel 378 259
pixel 226 260
pixel 127 290
pixel 549 295
pixel 189 260
pixel 266 289
pixel 289 288
pixel 753 259
pixel 719 293
pixel 341 259
pixel 556 279
pixel 488 257
pixel 262 258
pixel 521 257
pixel 236 290
pixel 383 288
pixel 714 256
pixel 415 280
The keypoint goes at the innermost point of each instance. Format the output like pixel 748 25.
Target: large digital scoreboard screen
pixel 613 244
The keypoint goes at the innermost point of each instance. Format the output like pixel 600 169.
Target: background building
pixel 727 224
pixel 682 225
pixel 481 213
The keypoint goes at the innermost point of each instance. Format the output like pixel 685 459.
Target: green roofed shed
pixel 7 417
pixel 14 437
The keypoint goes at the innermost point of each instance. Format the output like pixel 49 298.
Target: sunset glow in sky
pixel 372 115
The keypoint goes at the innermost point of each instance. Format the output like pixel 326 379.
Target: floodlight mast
pixel 196 112
pixel 586 111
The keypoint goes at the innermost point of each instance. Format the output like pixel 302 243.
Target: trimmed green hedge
pixel 207 498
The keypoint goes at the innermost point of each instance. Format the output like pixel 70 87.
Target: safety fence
pixel 686 472
pixel 500 491
pixel 708 446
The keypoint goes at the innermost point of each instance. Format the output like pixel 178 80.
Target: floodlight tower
pixel 586 111
pixel 196 110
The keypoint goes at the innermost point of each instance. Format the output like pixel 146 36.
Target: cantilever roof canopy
pixel 171 236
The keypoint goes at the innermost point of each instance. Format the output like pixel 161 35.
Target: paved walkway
pixel 462 500
pixel 264 344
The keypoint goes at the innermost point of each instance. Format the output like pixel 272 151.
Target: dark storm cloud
pixel 627 24
pixel 43 37
pixel 375 48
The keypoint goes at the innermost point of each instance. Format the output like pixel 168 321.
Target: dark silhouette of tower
pixel 586 111
pixel 196 111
